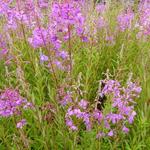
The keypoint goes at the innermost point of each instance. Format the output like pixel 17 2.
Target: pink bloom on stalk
pixel 59 64
pixel 63 54
pixel 84 39
pixel 125 129
pixel 101 23
pixel 125 20
pixel 43 58
pixel 83 104
pixel 100 8
pixel 100 135
pixel 66 99
pixel 98 115
pixel 21 123
pixel 43 3
pixel 11 103
pixel 70 124
pixel 110 133
pixel 39 37
pixel 131 117
pixel 144 18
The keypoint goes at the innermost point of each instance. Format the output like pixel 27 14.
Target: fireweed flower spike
pixel 125 20
pixel 65 21
pixel 21 123
pixel 144 18
pixel 12 104
pixel 120 114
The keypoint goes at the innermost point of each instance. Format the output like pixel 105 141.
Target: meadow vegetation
pixel 74 75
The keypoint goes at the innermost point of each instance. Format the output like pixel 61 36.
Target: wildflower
pixel 114 118
pixel 43 3
pixel 39 37
pixel 122 104
pixel 11 103
pixel 70 124
pixel 110 133
pixel 100 135
pixel 131 117
pixel 101 23
pixel 43 58
pixel 21 123
pixel 98 115
pixel 66 99
pixel 125 129
pixel 79 115
pixel 125 20
pixel 63 54
pixel 144 18
pixel 101 8
pixel 83 104
pixel 67 17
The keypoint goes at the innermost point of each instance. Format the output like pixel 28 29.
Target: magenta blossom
pixel 21 123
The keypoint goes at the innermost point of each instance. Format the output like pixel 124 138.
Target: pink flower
pixel 110 133
pixel 21 123
pixel 11 103
pixel 100 8
pixel 83 104
pixel 98 115
pixel 100 135
pixel 43 58
pixel 125 129
pixel 125 20
pixel 131 117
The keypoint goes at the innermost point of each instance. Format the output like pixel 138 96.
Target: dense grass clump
pixel 74 75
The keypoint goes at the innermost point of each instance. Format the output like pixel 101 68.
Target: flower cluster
pixel 12 104
pixel 122 106
pixel 117 113
pixel 66 16
pixel 125 20
pixel 4 53
pixel 21 123
pixel 65 20
pixel 101 7
pixel 20 13
pixel 80 113
pixel 144 18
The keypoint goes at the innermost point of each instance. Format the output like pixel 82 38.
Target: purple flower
pixel 70 124
pixel 66 99
pixel 43 3
pixel 11 103
pixel 85 39
pixel 63 54
pixel 125 20
pixel 83 104
pixel 125 129
pixel 21 123
pixel 79 115
pixel 131 117
pixel 43 58
pixel 59 64
pixel 101 8
pixel 101 23
pixel 39 37
pixel 98 115
pixel 114 118
pixel 110 133
pixel 144 21
pixel 100 135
